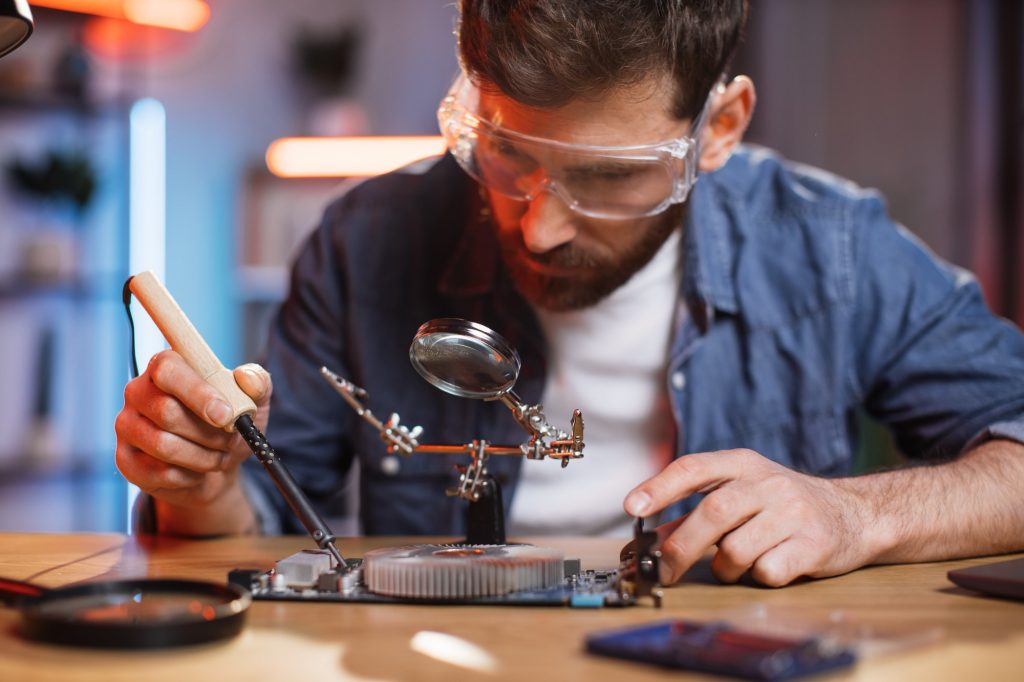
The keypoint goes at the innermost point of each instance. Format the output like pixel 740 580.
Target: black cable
pixel 126 299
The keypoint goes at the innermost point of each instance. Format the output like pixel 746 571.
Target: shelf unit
pixel 63 349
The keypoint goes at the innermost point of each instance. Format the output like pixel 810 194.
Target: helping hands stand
pixel 469 360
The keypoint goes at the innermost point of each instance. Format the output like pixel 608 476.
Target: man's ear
pixel 729 116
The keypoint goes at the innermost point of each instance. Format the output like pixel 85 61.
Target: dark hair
pixel 545 53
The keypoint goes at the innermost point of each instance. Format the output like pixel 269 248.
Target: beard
pixel 587 278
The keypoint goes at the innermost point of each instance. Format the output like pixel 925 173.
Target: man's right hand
pixel 171 443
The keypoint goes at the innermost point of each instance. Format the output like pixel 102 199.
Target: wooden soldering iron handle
pixel 184 339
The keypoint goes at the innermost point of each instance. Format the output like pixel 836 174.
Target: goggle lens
pixel 601 182
pixel 590 183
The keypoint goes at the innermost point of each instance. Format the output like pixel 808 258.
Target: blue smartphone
pixel 719 648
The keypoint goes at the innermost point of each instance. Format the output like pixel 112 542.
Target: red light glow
pixel 180 15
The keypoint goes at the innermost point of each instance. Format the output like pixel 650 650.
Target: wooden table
pixel 958 635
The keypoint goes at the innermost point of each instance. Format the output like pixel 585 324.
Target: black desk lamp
pixel 15 24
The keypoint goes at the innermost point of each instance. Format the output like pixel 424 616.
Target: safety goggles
pixel 611 182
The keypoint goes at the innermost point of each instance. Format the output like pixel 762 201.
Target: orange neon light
pixel 325 157
pixel 181 15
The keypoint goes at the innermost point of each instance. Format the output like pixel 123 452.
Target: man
pixel 719 340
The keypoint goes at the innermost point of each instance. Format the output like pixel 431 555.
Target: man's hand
pixel 766 519
pixel 171 443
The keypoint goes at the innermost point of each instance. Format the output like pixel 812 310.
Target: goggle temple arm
pixel 692 163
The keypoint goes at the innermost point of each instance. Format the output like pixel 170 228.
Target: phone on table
pixel 720 648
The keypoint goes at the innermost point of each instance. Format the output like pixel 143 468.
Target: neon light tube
pixel 307 157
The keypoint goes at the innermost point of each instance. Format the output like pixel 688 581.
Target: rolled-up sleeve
pixel 931 359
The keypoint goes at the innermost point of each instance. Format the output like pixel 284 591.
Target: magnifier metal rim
pixel 39 623
pixel 455 326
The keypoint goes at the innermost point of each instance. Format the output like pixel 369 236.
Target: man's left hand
pixel 776 523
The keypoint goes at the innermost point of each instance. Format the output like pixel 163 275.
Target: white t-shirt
pixel 608 360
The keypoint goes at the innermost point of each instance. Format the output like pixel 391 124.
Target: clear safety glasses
pixel 608 182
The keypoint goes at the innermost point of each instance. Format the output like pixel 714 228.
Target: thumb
pixel 255 381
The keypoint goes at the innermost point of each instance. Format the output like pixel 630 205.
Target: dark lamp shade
pixel 15 24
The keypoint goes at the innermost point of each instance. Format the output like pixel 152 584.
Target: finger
pixel 171 374
pixel 170 414
pixel 721 511
pixel 150 474
pixel 255 381
pixel 685 476
pixel 141 433
pixel 783 563
pixel 739 549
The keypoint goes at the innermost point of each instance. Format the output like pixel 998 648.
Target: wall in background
pixel 871 90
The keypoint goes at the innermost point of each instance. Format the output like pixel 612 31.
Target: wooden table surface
pixel 937 630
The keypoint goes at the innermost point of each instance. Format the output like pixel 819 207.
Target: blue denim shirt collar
pixel 709 259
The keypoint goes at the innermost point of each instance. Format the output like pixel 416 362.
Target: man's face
pixel 558 259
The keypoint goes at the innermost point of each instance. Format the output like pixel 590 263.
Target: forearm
pixel 229 513
pixel 968 507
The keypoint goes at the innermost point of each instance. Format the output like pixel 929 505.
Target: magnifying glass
pixel 465 359
pixel 138 613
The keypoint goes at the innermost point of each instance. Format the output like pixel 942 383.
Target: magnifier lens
pixel 464 358
pixel 140 607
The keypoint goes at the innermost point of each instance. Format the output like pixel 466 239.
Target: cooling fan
pixel 461 571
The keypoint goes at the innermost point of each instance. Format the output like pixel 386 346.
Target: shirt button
pixel 389 465
pixel 678 381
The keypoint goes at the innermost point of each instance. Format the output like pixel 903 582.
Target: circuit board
pixel 578 589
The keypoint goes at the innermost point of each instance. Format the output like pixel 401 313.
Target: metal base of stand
pixel 485 518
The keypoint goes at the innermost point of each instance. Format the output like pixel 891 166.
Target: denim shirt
pixel 804 304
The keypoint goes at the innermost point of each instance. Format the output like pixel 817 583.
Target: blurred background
pixel 134 134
